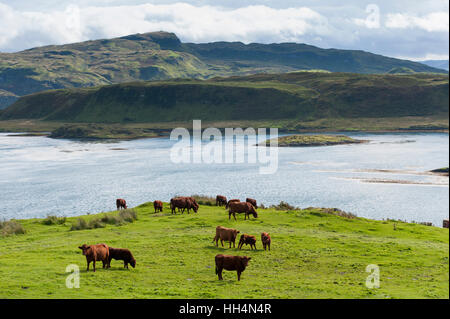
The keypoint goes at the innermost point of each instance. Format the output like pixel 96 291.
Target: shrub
pixel 54 220
pixel 333 211
pixel 283 206
pixel 79 224
pixel 123 217
pixel 11 227
pixel 205 200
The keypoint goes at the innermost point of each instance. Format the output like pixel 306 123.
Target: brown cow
pixel 121 203
pixel 221 200
pixel 242 207
pixel 227 262
pixel 121 254
pixel 265 238
pixel 247 240
pixel 99 252
pixel 252 201
pixel 158 205
pixel 183 203
pixel 227 234
pixel 231 201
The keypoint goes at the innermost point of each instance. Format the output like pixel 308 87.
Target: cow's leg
pixel 268 245
pixel 221 241
pixel 219 272
pixel 104 264
pixel 234 215
pixel 93 264
pixel 88 262
pixel 239 275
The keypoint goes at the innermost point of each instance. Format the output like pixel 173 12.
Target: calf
pixel 252 201
pixel 221 200
pixel 238 263
pixel 99 252
pixel 247 240
pixel 225 234
pixel 242 207
pixel 265 238
pixel 158 205
pixel 121 254
pixel 231 201
pixel 121 203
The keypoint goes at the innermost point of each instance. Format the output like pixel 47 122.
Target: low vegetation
pixel 123 217
pixel 315 253
pixel 312 140
pixel 11 227
pixel 54 220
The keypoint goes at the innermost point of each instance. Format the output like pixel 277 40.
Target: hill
pixel 161 56
pixel 303 96
pixel 314 254
pixel 439 64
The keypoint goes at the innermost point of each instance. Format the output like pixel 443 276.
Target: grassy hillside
pixel 302 96
pixel 314 255
pixel 161 55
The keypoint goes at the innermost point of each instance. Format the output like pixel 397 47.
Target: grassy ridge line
pixel 301 96
pixel 314 255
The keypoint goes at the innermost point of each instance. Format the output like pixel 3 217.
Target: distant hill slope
pixel 439 64
pixel 298 95
pixel 161 56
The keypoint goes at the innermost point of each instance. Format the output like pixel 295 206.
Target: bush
pixel 205 200
pixel 333 211
pixel 11 227
pixel 80 224
pixel 123 217
pixel 283 206
pixel 54 220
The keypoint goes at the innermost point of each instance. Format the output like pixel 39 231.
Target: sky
pixel 408 29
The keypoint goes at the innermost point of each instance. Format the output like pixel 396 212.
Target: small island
pixel 313 140
pixel 441 171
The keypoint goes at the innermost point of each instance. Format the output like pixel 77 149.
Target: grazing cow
pixel 221 200
pixel 227 262
pixel 121 254
pixel 121 203
pixel 252 201
pixel 99 252
pixel 158 205
pixel 227 234
pixel 183 203
pixel 231 201
pixel 247 240
pixel 265 238
pixel 242 207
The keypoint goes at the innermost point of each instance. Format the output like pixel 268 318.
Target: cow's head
pixel 133 263
pixel 85 248
pixel 245 260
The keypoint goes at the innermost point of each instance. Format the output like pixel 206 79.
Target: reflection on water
pixel 42 176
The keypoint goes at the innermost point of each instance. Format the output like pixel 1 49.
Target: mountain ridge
pixel 162 56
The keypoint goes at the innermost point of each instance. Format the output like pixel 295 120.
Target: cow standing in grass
pixel 225 234
pixel 247 240
pixel 242 207
pixel 93 253
pixel 183 203
pixel 121 254
pixel 266 240
pixel 252 201
pixel 231 201
pixel 221 200
pixel 238 263
pixel 121 203
pixel 158 206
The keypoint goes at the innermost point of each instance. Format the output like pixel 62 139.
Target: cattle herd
pixel 104 253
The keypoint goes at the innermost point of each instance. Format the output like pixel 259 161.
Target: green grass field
pixel 314 255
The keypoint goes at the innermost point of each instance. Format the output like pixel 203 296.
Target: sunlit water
pixel 40 176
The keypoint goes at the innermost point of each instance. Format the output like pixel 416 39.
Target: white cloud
pixel 349 26
pixel 432 22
